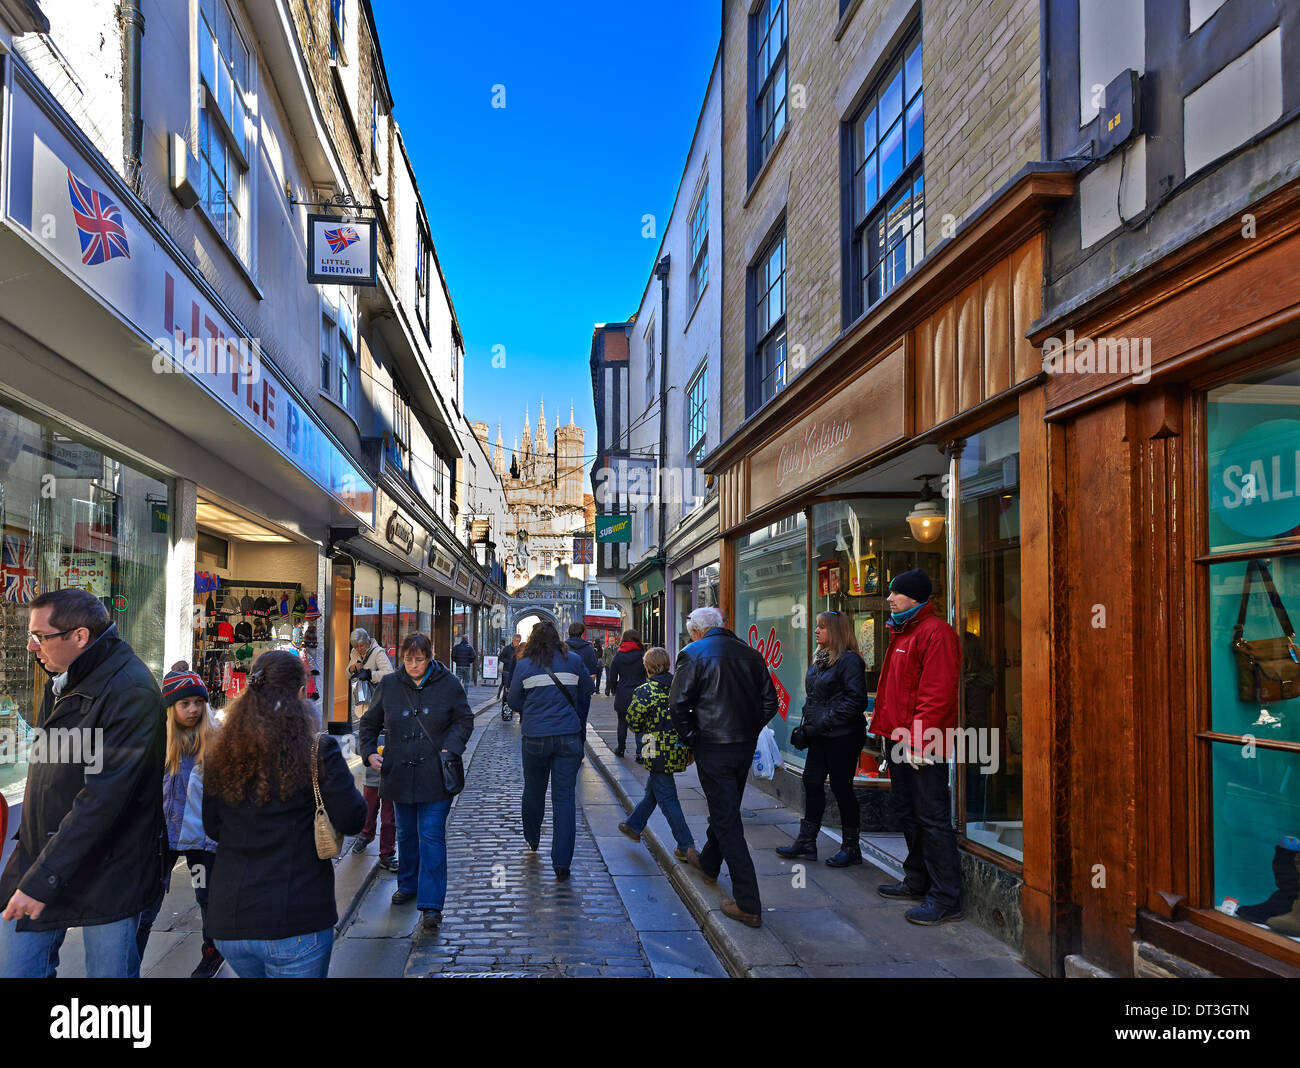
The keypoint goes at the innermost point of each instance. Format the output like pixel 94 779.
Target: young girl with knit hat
pixel 190 730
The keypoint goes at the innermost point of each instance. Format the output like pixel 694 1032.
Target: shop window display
pixel 772 614
pixel 365 600
pixel 989 610
pixel 71 516
pixel 859 545
pixel 1253 446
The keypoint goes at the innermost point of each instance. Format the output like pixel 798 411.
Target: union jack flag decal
pixel 19 569
pixel 99 223
pixel 342 237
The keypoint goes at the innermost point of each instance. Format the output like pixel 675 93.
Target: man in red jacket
pixel 916 709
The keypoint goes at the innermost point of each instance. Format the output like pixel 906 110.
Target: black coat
pixel 722 692
pixel 837 698
pixel 89 844
pixel 586 653
pixel 626 673
pixel 268 881
pixel 412 769
pixel 463 655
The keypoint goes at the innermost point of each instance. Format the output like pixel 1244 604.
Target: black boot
pixel 1287 878
pixel 803 847
pixel 850 852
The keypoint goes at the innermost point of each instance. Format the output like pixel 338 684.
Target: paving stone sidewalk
pixel 817 921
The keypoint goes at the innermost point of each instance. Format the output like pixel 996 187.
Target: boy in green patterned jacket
pixel 664 754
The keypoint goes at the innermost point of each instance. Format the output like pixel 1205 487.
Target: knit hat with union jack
pixel 178 685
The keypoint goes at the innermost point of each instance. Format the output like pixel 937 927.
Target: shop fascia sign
pixel 613 528
pixel 400 533
pixel 74 209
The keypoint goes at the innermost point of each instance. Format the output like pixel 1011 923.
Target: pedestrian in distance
pixel 89 842
pixel 577 643
pixel 551 690
pixel 916 706
pixel 599 648
pixel 721 698
pixel 370 664
pixel 508 657
pixel 833 730
pixel 463 657
pixel 271 898
pixel 626 673
pixel 423 713
pixel 665 755
pixel 191 729
pixel 607 658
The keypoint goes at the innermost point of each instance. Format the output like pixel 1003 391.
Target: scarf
pixel 822 658
pixel 899 618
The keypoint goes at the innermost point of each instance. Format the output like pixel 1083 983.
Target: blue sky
pixel 536 208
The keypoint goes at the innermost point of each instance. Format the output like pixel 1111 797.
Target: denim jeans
pixel 297 957
pixel 464 672
pixel 661 789
pixel 111 951
pixel 422 851
pixel 555 758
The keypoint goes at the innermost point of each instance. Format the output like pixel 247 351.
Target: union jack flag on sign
pixel 342 237
pixel 583 552
pixel 99 223
pixel 19 569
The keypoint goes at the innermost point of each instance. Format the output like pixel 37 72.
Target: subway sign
pixel 612 528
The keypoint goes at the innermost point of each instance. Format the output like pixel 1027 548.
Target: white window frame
pixel 214 127
pixel 700 242
pixel 695 445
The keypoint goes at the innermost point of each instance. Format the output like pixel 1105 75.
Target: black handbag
pixel 453 768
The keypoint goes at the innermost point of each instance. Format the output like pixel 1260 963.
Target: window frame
pixel 774 336
pixel 697 413
pixel 329 335
pixel 338 33
pixel 423 250
pixel 400 447
pixel 700 243
pixel 909 183
pixel 761 146
pixel 214 127
pixel 650 339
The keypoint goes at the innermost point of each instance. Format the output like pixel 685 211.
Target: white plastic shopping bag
pixel 767 757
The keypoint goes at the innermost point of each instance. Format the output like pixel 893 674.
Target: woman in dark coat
pixel 626 673
pixel 271 899
pixel 833 730
pixel 423 710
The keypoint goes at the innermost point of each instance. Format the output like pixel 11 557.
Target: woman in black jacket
pixel 271 899
pixel 423 711
pixel 626 673
pixel 833 730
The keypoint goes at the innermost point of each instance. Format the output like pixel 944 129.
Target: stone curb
pixel 703 901
pixel 348 914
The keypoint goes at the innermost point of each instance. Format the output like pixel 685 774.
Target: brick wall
pixel 980 65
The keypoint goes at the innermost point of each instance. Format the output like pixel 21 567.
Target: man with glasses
pixel 88 852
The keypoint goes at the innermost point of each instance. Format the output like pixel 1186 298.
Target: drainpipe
pixel 661 272
pixel 132 21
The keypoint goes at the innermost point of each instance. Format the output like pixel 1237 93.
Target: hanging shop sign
pixel 341 251
pixel 613 528
pixel 78 213
pixel 399 533
pixel 857 421
pixel 583 551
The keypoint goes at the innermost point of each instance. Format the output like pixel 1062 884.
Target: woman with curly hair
pixel 271 903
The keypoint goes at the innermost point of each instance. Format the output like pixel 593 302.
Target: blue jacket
pixel 543 710
pixel 586 652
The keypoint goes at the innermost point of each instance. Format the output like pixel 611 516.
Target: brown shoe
pixel 685 854
pixel 626 830
pixel 749 919
pixel 693 859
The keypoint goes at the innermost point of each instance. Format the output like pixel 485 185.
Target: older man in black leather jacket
pixel 722 697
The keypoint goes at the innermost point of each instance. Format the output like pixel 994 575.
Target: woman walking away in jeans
pixel 423 710
pixel 665 754
pixel 626 673
pixel 190 732
pixel 551 690
pixel 271 899
pixel 833 730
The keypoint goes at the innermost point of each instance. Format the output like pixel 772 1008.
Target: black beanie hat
pixel 914 584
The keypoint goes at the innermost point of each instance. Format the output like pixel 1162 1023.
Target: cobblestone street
pixel 507 915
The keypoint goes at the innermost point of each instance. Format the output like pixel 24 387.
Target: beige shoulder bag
pixel 329 842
